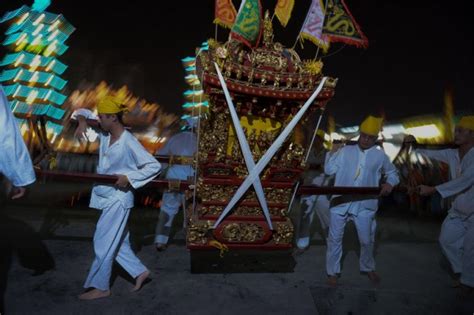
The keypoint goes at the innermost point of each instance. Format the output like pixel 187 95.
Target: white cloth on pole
pixel 84 112
pixel 15 160
pixel 245 148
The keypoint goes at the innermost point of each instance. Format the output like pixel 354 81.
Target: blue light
pixel 190 105
pixel 41 5
pixel 31 74
pixel 188 59
pixel 191 92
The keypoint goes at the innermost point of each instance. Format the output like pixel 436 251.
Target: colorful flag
pixel 313 25
pixel 248 26
pixel 340 26
pixel 225 13
pixel 283 10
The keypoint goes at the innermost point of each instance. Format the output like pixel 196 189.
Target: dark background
pixel 416 49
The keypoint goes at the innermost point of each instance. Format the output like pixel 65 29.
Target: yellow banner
pixel 225 13
pixel 283 11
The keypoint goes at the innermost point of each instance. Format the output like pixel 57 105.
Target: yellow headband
pixel 467 122
pixel 371 126
pixel 108 105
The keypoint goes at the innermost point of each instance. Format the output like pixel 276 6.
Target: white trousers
pixel 365 224
pixel 110 243
pixel 309 206
pixel 171 202
pixel 457 242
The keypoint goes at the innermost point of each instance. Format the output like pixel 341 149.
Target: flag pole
pixel 322 31
pixel 306 159
pixel 298 37
pixel 317 52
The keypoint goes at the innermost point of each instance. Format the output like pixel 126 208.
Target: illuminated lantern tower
pixel 197 103
pixel 31 76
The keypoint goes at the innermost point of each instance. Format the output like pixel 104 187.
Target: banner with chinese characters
pixel 225 13
pixel 248 26
pixel 313 25
pixel 340 26
pixel 283 10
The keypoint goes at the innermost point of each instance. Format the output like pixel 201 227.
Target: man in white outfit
pixel 15 161
pixel 457 232
pixel 122 155
pixel 360 165
pixel 314 203
pixel 181 146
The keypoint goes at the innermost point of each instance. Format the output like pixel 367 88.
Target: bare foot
pixel 139 281
pixel 94 294
pixel 332 281
pixel 374 277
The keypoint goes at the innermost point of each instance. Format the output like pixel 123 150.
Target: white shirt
pixel 354 167
pixel 126 156
pixel 15 161
pixel 461 184
pixel 181 144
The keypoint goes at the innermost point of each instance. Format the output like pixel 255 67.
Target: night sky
pixel 416 49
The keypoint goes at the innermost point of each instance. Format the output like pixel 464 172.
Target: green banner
pixel 248 26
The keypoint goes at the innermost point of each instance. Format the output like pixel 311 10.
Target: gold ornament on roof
pixel 221 52
pixel 267 30
pixel 212 43
pixel 313 67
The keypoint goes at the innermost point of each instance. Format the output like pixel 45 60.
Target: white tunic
pixel 181 144
pixel 354 167
pixel 15 161
pixel 126 156
pixel 461 185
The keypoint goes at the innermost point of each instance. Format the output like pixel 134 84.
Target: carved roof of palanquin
pixel 270 70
